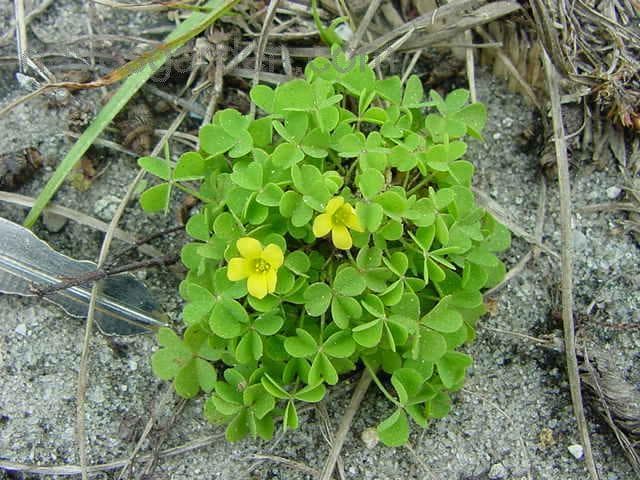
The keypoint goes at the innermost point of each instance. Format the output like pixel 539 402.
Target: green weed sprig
pixel 337 230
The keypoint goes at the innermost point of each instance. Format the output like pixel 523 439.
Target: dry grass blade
pixel 526 88
pixel 262 41
pixel 345 424
pixel 61 470
pixel 8 36
pixel 567 264
pixel 364 25
pixel 444 23
pixel 82 218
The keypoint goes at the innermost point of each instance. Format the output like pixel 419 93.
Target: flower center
pixel 261 266
pixel 341 216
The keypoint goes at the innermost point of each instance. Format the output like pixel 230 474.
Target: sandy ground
pixel 513 420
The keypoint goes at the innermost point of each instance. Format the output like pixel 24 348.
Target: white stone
pixel 613 192
pixel 105 208
pixel 370 437
pixel 576 450
pixel 21 329
pixel 497 472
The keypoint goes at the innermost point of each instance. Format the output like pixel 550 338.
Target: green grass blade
pixel 193 25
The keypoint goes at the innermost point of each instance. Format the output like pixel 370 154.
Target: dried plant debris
pixel 595 44
pixel 17 168
pixel 617 401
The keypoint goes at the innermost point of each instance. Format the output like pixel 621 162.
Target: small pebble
pixel 497 136
pixel 369 437
pixel 576 450
pixel 507 122
pixel 613 192
pixel 105 208
pixel 21 329
pixel 497 472
pixel 52 222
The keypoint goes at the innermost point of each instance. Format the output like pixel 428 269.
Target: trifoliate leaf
pixel 413 92
pixel 456 99
pixel 270 195
pixel 407 383
pixel 298 262
pixel 393 204
pixel 442 318
pixel 286 155
pixel 345 310
pixel 167 362
pixel 370 182
pixel 248 176
pixel 322 369
pixel 268 323
pixel 186 382
pixel 206 374
pixel 302 345
pixel 214 140
pixel 317 298
pixel 237 428
pixel 452 367
pixel 249 348
pixel 273 387
pixel 264 97
pixel 290 417
pixel 198 227
pixel 156 199
pixel 368 334
pixel 439 406
pixel 370 215
pixel 311 393
pixel 228 318
pixel 156 166
pixel 339 345
pixel 349 282
pixel 394 430
pixel 431 345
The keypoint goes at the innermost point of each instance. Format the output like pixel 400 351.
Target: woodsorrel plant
pixel 337 231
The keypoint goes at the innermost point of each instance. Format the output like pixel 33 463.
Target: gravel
pixel 513 420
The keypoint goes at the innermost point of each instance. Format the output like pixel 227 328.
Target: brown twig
pixel 262 43
pixel 345 424
pixel 95 275
pixel 567 263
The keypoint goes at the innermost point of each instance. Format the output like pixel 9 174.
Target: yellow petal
pixel 334 204
pixel 353 222
pixel 238 269
pixel 322 225
pixel 273 255
pixel 272 279
pixel 249 247
pixel 341 237
pixel 257 285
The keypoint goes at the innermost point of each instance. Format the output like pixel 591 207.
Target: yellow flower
pixel 337 218
pixel 257 264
